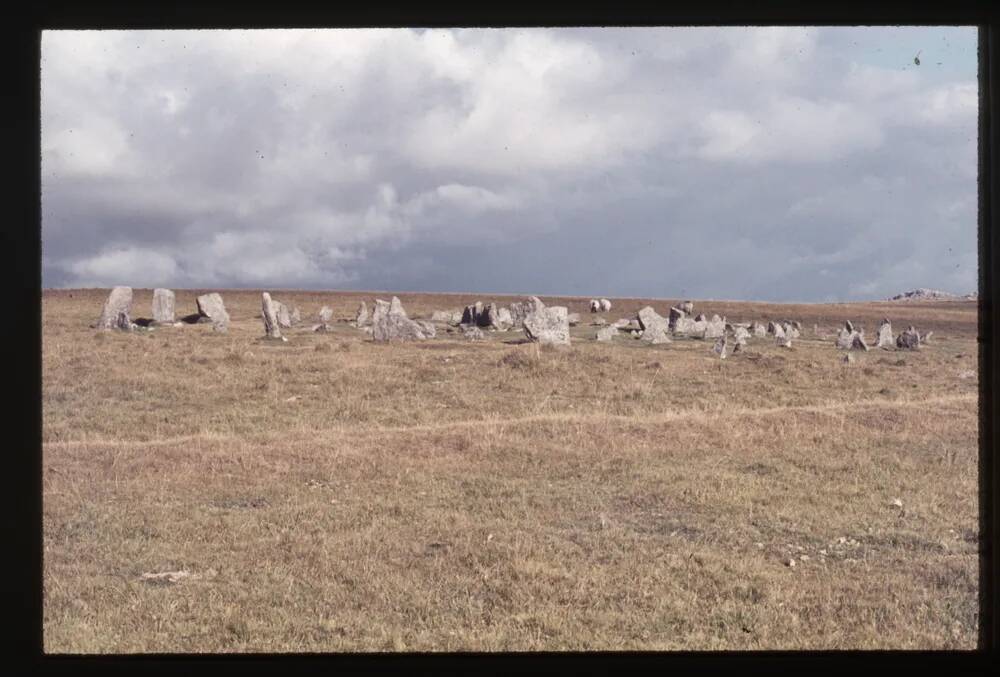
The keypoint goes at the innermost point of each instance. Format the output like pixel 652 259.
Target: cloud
pixel 783 163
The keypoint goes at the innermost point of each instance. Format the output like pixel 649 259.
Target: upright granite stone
pixel 163 306
pixel 495 317
pixel 325 314
pixel 675 314
pixel 758 329
pixel 212 307
pixel 715 328
pixel 362 318
pixel 296 315
pixel 472 315
pixel 283 314
pixel 740 334
pixel 390 323
pixel 117 310
pixel 720 347
pixel 519 310
pixel 776 329
pixel 858 341
pixel 269 313
pixel 655 327
pixel 547 324
pixel 845 339
pixel 687 307
pixel 884 338
pixel 908 340
pixel 791 329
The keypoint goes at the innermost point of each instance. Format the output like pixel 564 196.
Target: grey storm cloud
pixel 782 164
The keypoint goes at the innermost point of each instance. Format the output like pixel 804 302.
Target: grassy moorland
pixel 333 494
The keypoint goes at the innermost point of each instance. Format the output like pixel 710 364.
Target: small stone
pixel 791 562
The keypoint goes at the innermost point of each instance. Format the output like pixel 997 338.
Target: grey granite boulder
pixel 390 323
pixel 547 324
pixel 715 328
pixel 211 306
pixel 117 310
pixel 655 327
pixel 908 340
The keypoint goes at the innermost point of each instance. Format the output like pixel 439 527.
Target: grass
pixel 333 494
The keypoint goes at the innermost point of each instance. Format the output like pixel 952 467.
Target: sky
pixel 785 164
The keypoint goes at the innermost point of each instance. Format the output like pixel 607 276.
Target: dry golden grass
pixel 332 494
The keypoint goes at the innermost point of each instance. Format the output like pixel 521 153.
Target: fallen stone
pixel 472 332
pixel 430 331
pixel 573 319
pixel 163 306
pixel 443 316
pixel 607 333
pixel 117 310
pixel 599 322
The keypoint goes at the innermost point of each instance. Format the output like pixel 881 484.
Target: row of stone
pixel 117 311
pixel 849 338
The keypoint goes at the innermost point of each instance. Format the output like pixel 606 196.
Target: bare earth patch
pixel 207 492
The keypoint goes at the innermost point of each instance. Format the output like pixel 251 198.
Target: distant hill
pixel 924 294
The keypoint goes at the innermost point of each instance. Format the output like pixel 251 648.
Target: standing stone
pixel 885 338
pixel 495 317
pixel 430 331
pixel 269 313
pixel 740 335
pixel 163 306
pixel 599 322
pixel 848 326
pixel 117 310
pixel 325 314
pixel 908 340
pixel 296 316
pixel 362 318
pixel 845 338
pixel 607 333
pixel 715 328
pixel 605 305
pixel 655 327
pixel 595 306
pixel 471 314
pixel 858 341
pixel 519 310
pixel 284 317
pixel 675 314
pixel 791 329
pixel 211 306
pixel 390 323
pixel 776 329
pixel 547 324
pixel 758 329
pixel 720 347
pixel 687 307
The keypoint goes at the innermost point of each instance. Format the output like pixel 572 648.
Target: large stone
pixel 390 323
pixel 687 307
pixel 884 337
pixel 776 329
pixel 212 307
pixel 720 347
pixel 442 316
pixel 791 329
pixel 655 327
pixel 607 333
pixel 283 314
pixel 117 310
pixel 605 305
pixel 362 318
pixel 494 317
pixel 858 341
pixel 547 324
pixel 758 329
pixel 845 338
pixel 296 315
pixel 163 306
pixel 715 328
pixel 908 340
pixel 430 331
pixel 472 332
pixel 269 313
pixel 325 314
pixel 519 310
pixel 740 334
pixel 675 314
pixel 472 314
